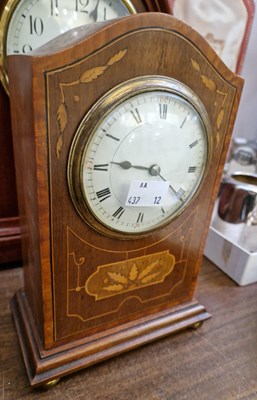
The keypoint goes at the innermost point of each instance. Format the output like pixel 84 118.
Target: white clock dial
pixel 35 22
pixel 145 159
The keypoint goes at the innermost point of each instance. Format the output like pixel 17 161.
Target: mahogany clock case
pixel 66 318
pixel 10 246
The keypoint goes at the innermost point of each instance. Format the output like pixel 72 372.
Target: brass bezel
pixel 92 120
pixel 5 20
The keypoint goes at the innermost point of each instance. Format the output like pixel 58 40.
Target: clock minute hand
pixel 172 188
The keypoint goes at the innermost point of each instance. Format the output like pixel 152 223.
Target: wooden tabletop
pixel 216 362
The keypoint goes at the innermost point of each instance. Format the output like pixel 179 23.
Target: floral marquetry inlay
pixel 210 84
pixel 86 77
pixel 112 279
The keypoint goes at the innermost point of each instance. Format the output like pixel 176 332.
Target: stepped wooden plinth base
pixel 44 366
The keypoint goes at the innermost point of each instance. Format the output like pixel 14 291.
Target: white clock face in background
pixel 144 161
pixel 35 22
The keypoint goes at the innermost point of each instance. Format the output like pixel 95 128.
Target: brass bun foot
pixel 197 325
pixel 50 384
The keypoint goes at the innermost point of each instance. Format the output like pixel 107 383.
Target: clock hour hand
pixel 128 165
pixel 94 13
pixel 153 170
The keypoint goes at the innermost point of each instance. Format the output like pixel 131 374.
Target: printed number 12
pixel 157 200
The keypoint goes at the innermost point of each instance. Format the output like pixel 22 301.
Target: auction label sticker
pixel 147 193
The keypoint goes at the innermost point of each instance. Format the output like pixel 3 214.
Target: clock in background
pixel 28 24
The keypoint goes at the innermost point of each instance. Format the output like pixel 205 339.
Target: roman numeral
pixel 136 115
pixel 193 144
pixel 140 217
pixel 180 192
pixel 54 8
pixel 112 137
pixel 118 213
pixel 101 167
pixel 103 194
pixel 191 169
pixel 181 126
pixel 163 109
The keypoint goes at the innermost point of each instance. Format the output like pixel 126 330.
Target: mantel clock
pixel 118 155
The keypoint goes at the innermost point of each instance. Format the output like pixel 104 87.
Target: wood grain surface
pixel 218 361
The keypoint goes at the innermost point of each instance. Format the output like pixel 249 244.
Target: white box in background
pixel 238 263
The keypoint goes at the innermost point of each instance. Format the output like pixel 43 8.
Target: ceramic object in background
pixel 225 24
